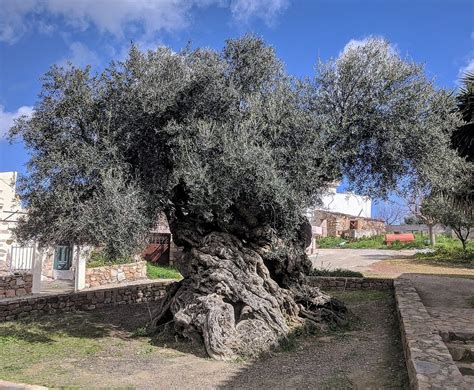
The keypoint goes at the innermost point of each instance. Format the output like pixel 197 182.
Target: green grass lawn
pixel 377 242
pixel 154 271
pixel 25 346
pixel 100 259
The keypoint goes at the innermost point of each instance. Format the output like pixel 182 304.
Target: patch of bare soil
pixel 366 355
pixel 397 267
pixel 436 291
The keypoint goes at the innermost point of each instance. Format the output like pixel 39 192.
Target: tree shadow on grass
pixel 118 321
pixel 122 322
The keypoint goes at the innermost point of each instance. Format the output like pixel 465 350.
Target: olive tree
pixel 233 150
pixel 461 221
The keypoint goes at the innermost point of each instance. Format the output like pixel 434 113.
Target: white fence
pixel 21 258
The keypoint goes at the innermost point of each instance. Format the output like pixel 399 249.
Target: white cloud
pixel 119 16
pixel 469 67
pixel 80 55
pixel 7 118
pixel 267 10
pixel 355 43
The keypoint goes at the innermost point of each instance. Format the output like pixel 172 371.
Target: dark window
pixel 353 225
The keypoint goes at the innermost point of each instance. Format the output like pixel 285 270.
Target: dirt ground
pixel 456 292
pixel 355 259
pixel 397 267
pixel 102 349
pixel 384 263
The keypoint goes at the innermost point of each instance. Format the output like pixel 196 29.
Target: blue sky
pixel 35 34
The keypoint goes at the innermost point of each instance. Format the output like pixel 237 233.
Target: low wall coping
pixel 40 304
pixel 429 363
pixel 350 283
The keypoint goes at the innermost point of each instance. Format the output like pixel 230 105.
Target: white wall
pixel 347 203
pixel 8 202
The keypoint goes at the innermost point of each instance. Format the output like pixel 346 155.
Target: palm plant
pixel 463 137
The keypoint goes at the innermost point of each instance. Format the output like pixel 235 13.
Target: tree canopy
pixel 227 139
pixel 233 150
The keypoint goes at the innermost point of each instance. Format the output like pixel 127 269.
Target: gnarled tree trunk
pixel 240 296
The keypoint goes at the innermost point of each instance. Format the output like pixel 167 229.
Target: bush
pixel 154 271
pixel 449 255
pixel 337 272
pixel 100 259
pixel 330 242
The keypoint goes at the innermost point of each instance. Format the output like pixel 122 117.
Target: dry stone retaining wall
pixel 15 308
pixel 343 283
pixel 429 363
pixel 101 276
pixel 15 285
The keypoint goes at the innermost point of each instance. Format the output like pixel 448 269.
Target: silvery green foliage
pixel 384 118
pixel 441 210
pixel 228 140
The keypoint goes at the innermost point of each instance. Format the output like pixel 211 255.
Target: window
pixel 353 225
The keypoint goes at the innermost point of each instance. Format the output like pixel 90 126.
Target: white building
pixel 346 203
pixel 343 214
pixel 9 208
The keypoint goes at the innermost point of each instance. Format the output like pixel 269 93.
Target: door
pixel 62 257
pixel 158 249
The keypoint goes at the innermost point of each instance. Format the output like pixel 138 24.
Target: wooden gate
pixel 158 249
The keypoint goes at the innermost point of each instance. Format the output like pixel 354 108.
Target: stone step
pixel 466 369
pixel 448 336
pixel 461 351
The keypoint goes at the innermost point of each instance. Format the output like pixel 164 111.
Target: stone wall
pixel 429 363
pixel 344 225
pixel 117 273
pixel 15 308
pixel 342 283
pixel 15 285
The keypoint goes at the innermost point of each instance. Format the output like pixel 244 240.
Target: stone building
pixel 335 224
pixel 343 214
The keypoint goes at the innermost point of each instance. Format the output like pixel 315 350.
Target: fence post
pixel 37 269
pixel 80 272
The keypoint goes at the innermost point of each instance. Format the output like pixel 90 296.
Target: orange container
pixel 402 237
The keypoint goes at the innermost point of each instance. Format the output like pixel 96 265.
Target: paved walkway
pixel 355 259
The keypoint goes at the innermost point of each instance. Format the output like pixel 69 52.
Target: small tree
pixel 459 220
pixel 414 197
pixel 390 212
pixel 411 220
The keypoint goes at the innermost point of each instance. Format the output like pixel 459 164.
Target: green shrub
pixel 337 272
pixel 330 242
pixel 154 271
pixel 100 259
pixel 449 255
